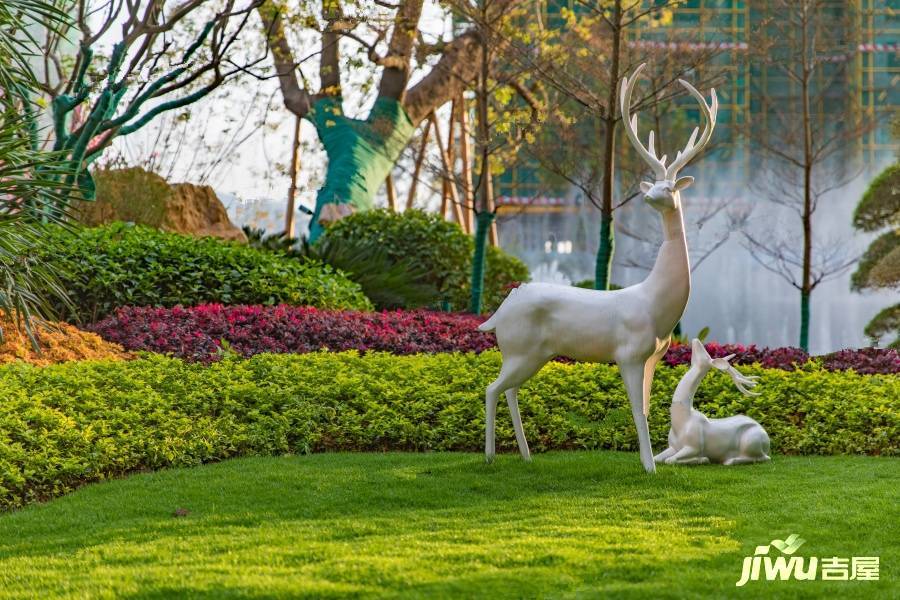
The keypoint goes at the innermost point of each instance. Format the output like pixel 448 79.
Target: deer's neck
pixel 683 398
pixel 669 282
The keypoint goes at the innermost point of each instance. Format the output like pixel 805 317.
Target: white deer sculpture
pixel 695 439
pixel 631 327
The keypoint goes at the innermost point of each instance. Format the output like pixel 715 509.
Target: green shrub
pixel 63 425
pixel 441 248
pixel 118 265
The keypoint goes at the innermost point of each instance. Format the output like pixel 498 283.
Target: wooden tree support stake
pixel 466 157
pixel 423 146
pixel 448 174
pixel 292 191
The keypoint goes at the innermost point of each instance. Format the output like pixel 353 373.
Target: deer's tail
pixel 488 325
pixel 491 324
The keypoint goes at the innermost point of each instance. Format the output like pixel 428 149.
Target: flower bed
pixel 197 334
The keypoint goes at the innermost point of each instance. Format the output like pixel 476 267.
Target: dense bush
pixel 388 282
pixel 441 248
pixel 196 333
pixel 117 265
pixel 64 425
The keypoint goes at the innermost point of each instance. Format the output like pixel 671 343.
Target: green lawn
pixel 570 524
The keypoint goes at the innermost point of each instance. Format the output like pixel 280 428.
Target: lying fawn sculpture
pixel 631 327
pixel 695 439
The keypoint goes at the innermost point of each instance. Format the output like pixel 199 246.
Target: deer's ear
pixel 645 186
pixel 683 182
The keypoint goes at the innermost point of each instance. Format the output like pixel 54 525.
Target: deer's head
pixel 700 359
pixel 663 194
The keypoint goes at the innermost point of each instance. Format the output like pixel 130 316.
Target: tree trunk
pixel 361 153
pixel 603 267
pixel 806 281
pixel 484 216
pixel 483 222
pixel 804 321
pixel 606 248
pixel 292 191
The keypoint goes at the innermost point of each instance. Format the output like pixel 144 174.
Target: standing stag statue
pixel 695 439
pixel 631 327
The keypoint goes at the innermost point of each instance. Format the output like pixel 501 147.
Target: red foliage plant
pixel 198 333
pixel 772 358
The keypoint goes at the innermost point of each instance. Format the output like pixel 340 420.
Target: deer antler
pixel 658 165
pixel 709 123
pixel 648 153
pixel 741 381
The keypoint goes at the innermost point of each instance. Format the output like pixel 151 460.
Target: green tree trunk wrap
pixel 483 222
pixel 603 267
pixel 804 321
pixel 360 153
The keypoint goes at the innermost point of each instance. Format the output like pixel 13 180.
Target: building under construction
pixel 554 229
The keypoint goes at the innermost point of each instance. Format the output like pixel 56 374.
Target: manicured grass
pixel 570 524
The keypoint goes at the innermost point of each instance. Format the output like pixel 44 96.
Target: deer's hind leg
pixel 513 401
pixel 662 346
pixel 514 372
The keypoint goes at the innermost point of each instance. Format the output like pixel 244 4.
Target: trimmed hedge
pixel 65 425
pixel 197 334
pixel 117 265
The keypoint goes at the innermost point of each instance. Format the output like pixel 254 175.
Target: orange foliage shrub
pixel 59 342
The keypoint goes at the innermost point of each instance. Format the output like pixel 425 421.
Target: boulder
pixel 135 195
pixel 196 210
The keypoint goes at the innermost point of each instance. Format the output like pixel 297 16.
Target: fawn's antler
pixel 740 380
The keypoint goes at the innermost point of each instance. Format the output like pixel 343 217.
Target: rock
pixel 196 210
pixel 135 195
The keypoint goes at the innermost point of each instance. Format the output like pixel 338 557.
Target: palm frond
pixel 29 179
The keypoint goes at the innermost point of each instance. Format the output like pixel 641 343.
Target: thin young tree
pixel 804 134
pixel 509 107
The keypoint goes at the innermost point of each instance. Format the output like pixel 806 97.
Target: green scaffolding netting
pixel 361 153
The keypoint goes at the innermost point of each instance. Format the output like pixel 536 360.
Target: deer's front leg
pixel 662 456
pixel 688 455
pixel 633 376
